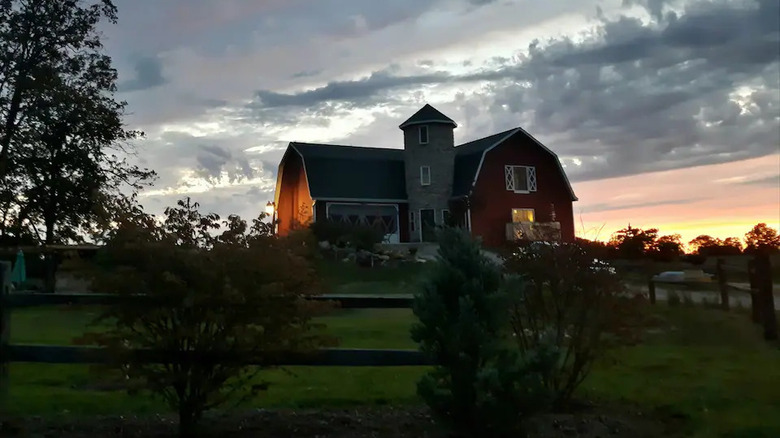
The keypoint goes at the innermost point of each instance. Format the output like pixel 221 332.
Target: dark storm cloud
pixel 769 181
pixel 347 91
pixel 640 97
pixel 148 74
pixel 305 74
pixel 596 208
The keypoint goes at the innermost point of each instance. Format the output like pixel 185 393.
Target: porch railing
pixel 533 231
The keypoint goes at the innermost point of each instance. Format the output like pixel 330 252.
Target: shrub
pixel 326 230
pixel 559 293
pixel 366 237
pixel 213 304
pixel 340 234
pixel 673 299
pixel 480 385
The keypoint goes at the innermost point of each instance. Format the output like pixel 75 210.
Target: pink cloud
pixel 722 200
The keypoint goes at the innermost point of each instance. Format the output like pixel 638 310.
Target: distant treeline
pixel 638 243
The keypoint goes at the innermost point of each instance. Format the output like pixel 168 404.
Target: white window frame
pixel 509 178
pixel 443 221
pixel 420 134
pixel 422 175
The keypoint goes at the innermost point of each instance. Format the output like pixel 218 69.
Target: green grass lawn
pixel 709 368
pixel 706 367
pixel 349 278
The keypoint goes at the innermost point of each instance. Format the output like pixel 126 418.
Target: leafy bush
pixel 480 385
pixel 673 299
pixel 559 293
pixel 365 237
pixel 213 304
pixel 333 232
pixel 358 237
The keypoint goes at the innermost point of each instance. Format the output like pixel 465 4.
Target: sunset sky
pixel 664 113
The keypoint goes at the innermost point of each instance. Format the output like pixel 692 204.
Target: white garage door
pixel 383 216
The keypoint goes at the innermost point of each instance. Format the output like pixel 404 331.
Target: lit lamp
pixel 270 209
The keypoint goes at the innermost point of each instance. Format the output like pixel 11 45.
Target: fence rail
pixel 62 354
pixel 760 285
pixel 58 354
pixel 35 299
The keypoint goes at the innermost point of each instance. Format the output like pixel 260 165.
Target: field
pixel 706 372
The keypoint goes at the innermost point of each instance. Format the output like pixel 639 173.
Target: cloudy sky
pixel 665 113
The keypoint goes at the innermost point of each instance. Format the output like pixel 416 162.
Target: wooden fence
pixel 60 354
pixel 762 302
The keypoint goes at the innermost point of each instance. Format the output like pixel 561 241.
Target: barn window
pixel 520 179
pixel 446 217
pixel 423 131
pixel 381 216
pixel 522 215
pixel 425 175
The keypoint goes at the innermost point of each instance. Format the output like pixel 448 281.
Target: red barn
pixel 506 186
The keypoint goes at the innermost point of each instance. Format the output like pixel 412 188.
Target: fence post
pixel 651 289
pixel 5 332
pixel 766 298
pixel 723 284
pixel 755 306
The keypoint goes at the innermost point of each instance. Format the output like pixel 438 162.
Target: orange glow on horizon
pixel 720 200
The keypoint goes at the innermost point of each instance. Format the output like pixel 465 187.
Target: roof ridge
pixel 343 146
pixel 488 136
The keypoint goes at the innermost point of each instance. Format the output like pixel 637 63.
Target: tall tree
pixel 762 238
pixel 633 243
pixel 666 248
pixel 36 36
pixel 68 139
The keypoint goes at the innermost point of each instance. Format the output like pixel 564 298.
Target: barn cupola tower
pixel 429 158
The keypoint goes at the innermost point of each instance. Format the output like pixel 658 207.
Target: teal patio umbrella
pixel 19 272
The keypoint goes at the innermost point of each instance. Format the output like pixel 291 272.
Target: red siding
pixel 295 204
pixel 491 203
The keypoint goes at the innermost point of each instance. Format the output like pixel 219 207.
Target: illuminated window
pixel 522 215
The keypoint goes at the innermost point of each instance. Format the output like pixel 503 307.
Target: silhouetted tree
pixel 709 246
pixel 762 238
pixel 633 243
pixel 668 248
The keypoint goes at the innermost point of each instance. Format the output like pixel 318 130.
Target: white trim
pixel 421 219
pixel 314 211
pixel 468 218
pixel 303 162
pixel 420 122
pixel 422 180
pixel 510 171
pixel 482 159
pixel 548 150
pixel 443 222
pixel 557 161
pixel 363 200
pixel 427 134
pixel 397 213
